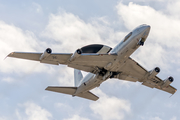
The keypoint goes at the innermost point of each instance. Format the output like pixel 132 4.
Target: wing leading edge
pixel 86 62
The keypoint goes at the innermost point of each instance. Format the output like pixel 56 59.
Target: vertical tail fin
pixel 77 77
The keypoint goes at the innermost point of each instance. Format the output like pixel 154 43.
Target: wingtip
pixel 9 55
pixel 5 57
pixel 173 93
pixel 47 88
pixel 97 99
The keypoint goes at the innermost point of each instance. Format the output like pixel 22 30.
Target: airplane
pixel 103 62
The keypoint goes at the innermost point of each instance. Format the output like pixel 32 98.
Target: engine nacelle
pixel 46 53
pixel 167 82
pixel 153 72
pixel 76 54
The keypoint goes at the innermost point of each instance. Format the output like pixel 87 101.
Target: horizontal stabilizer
pixel 65 90
pixel 71 91
pixel 88 95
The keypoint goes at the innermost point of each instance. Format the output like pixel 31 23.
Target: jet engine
pixel 153 72
pixel 46 53
pixel 167 82
pixel 76 54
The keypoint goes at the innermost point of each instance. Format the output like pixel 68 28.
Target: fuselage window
pixel 127 36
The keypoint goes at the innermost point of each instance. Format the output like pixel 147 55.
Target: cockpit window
pixel 127 36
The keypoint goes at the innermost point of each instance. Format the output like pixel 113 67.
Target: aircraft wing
pixel 86 62
pixel 133 72
pixel 54 58
pixel 90 62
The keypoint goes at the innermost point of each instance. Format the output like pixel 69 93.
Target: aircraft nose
pixel 147 28
pixel 145 31
pixel 143 28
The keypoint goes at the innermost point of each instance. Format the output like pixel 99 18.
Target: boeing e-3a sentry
pixel 102 62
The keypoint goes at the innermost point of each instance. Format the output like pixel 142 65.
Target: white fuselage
pixel 123 50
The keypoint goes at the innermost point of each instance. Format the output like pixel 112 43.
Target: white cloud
pixel 171 104
pixel 146 56
pixel 3 118
pixel 59 105
pixel 173 8
pixel 8 79
pixel 71 32
pixel 37 7
pixel 110 107
pixel 32 111
pixel 163 27
pixel 66 107
pixel 164 35
pixel 155 118
pixel 147 0
pixel 173 118
pixel 14 39
pixel 66 76
pixel 76 117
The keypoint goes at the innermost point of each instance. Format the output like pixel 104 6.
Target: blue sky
pixel 67 25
